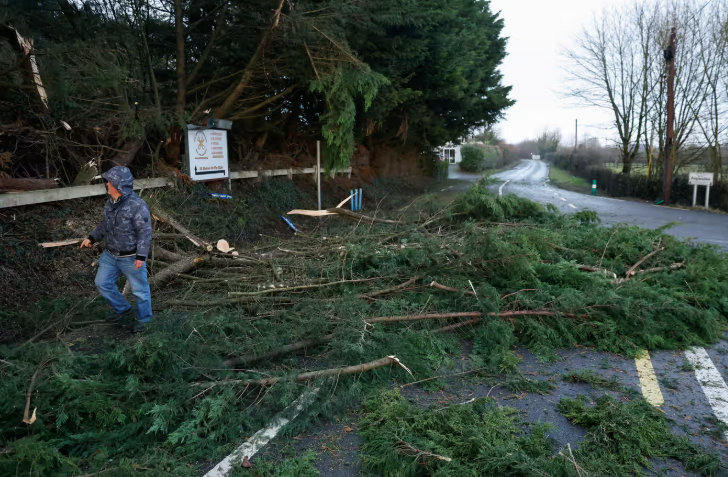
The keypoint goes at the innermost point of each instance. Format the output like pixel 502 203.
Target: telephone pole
pixel 576 134
pixel 670 53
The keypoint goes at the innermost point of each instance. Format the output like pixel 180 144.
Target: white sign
pixel 701 178
pixel 535 157
pixel 208 153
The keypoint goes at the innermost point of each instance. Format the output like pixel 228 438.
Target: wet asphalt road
pixel 530 180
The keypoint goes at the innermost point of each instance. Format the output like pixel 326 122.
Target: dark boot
pixel 115 317
pixel 140 327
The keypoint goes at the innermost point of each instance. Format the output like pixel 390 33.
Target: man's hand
pixel 87 244
pixel 138 264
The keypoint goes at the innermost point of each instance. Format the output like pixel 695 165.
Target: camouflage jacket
pixel 126 226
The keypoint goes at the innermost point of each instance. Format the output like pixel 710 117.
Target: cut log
pixel 165 255
pixel 171 272
pixel 8 184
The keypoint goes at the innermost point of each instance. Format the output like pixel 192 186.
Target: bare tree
pixel 607 69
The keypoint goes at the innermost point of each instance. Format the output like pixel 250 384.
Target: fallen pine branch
pixel 311 375
pixel 299 287
pixel 310 343
pixel 450 289
pixel 674 266
pixel 508 314
pixel 408 449
pixel 645 258
pixel 431 316
pixel 163 216
pixel 27 418
pixel 393 289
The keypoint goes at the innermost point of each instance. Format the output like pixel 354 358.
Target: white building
pixel 451 153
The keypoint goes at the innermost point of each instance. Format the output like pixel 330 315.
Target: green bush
pixel 478 158
pixel 442 170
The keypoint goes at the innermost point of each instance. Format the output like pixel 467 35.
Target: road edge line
pixel 500 190
pixel 711 382
pixel 258 440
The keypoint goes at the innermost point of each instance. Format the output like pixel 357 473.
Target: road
pixel 530 180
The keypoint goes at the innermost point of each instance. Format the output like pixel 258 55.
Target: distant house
pixel 450 153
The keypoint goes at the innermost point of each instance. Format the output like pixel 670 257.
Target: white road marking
pixel 263 436
pixel 711 381
pixel 648 380
pixel 563 199
pixel 500 190
pixel 572 206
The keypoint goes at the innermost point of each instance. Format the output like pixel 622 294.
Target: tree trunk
pixel 168 274
pixel 181 76
pixel 11 184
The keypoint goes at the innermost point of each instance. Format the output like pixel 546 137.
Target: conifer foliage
pixel 520 273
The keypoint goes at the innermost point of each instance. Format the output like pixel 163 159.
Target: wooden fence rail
pixel 17 199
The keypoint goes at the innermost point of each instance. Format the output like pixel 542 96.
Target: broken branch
pixel 311 375
pixel 645 258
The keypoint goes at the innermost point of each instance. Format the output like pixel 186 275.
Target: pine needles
pixel 485 439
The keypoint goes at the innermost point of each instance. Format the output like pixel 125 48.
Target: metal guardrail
pixel 17 199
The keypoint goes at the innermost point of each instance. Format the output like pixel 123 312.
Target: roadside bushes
pixel 478 158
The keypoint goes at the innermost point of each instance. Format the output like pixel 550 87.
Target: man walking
pixel 127 231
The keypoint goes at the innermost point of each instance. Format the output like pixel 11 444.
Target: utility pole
pixel 576 134
pixel 669 140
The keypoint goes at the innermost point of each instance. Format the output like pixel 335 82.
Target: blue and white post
pixel 356 199
pixel 594 187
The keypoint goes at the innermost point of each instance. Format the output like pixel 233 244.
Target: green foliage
pixel 594 380
pixel 477 158
pixel 622 436
pixel 485 439
pixel 143 401
pixel 340 89
pixel 441 170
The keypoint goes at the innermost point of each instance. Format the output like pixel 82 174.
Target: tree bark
pixel 310 343
pixel 11 184
pixel 168 274
pixel 181 76
pixel 162 215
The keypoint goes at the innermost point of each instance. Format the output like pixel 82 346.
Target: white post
pixel 318 172
pixel 707 195
pixel 695 194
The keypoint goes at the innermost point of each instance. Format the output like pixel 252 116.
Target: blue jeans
pixel 110 267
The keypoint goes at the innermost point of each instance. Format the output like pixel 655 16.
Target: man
pixel 127 231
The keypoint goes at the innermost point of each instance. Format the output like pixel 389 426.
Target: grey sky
pixel 538 31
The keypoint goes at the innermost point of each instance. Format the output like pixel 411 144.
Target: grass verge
pixel 563 179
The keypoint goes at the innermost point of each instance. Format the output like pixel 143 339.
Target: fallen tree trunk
pixel 171 272
pixel 508 314
pixel 310 343
pixel 311 375
pixel 12 184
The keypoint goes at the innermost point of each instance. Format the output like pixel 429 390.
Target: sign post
pixel 207 151
pixel 594 187
pixel 701 179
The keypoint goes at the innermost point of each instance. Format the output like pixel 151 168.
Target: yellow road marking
pixel 648 380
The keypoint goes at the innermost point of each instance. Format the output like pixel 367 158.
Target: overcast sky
pixel 538 30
